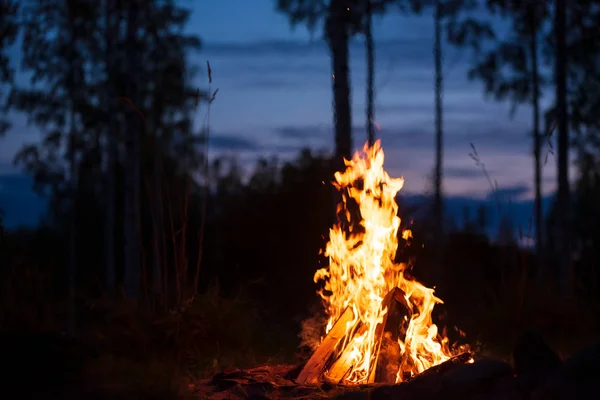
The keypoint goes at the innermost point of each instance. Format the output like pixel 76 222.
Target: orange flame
pixel 362 270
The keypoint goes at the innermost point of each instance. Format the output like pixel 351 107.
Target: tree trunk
pixel 72 223
pixel 338 37
pixel 370 75
pixel 132 162
pixel 537 144
pixel 111 151
pixel 563 144
pixel 156 199
pixel 158 215
pixel 72 160
pixel 438 204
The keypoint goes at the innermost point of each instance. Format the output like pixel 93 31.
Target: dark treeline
pixel 149 251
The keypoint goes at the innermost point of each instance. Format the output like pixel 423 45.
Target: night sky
pixel 275 98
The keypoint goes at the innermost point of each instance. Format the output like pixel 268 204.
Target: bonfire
pixel 379 327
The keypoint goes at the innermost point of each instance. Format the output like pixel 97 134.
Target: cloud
pixel 232 142
pixel 462 172
pixel 266 47
pixel 417 137
pixel 304 132
pixel 268 83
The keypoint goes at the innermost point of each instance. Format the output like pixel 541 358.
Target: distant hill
pixel 21 206
pixel 519 212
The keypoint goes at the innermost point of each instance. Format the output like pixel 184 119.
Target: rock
pixel 535 362
pixel 556 389
pixel 425 386
pixel 583 366
pixel 577 379
pixel 505 388
pixel 469 380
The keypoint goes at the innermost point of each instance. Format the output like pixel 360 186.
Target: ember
pixel 380 327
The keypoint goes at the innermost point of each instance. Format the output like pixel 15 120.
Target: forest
pixel 157 263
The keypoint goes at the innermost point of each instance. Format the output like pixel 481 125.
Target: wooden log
pixel 321 358
pixel 462 358
pixel 341 367
pixel 393 327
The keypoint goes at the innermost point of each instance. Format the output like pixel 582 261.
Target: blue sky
pixel 275 98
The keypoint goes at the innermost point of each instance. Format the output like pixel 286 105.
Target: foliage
pixel 8 33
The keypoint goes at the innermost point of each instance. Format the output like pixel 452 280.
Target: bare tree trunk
pixel 157 204
pixel 72 223
pixel 338 37
pixel 72 160
pixel 156 199
pixel 112 151
pixel 132 163
pixel 438 201
pixel 563 145
pixel 370 74
pixel 537 144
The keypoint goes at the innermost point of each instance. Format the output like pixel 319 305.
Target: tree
pixel 132 163
pixel 341 19
pixel 8 33
pixel 78 44
pixel 111 22
pixel 438 205
pixel 51 46
pixel 337 16
pixel 563 139
pixel 583 97
pixel 446 14
pixel 510 70
pixel 370 109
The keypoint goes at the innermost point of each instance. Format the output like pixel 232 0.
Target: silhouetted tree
pixel 98 109
pixel 370 49
pixel 584 122
pixel 339 17
pixel 563 140
pixel 510 70
pixel 438 205
pixel 342 19
pixel 8 33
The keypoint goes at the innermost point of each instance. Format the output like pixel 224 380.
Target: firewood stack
pixel 332 364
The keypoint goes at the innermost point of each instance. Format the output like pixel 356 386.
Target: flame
pixel 362 270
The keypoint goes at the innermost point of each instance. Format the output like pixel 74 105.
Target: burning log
pixel 341 367
pixel 318 362
pixel 393 328
pixel 462 358
pixel 385 366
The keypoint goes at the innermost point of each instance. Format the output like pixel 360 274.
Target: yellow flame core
pixel 362 271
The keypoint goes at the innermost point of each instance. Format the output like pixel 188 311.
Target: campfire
pixel 380 327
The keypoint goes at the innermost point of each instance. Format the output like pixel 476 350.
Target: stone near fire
pixel 424 386
pixel 476 378
pixel 577 379
pixel 505 388
pixel 535 362
pixel 584 365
